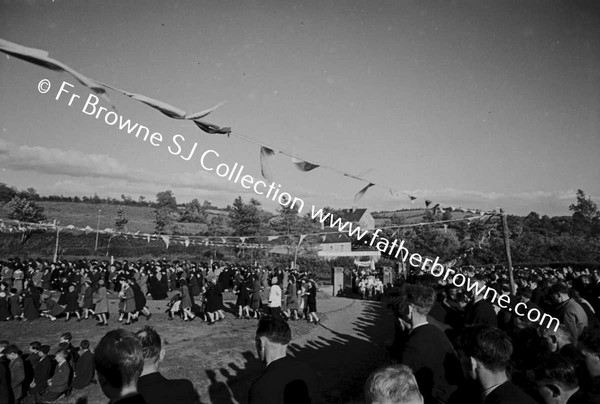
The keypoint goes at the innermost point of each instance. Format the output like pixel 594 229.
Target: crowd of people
pixel 125 365
pixel 28 290
pixel 461 348
pixel 451 346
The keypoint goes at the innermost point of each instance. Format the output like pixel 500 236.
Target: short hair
pixel 151 342
pixel 420 296
pixel 489 345
pixel 64 353
pixel 275 329
pixel 35 345
pixel 561 333
pixel 12 348
pixel 118 358
pixel 85 344
pixel 590 341
pixel 558 369
pixel 67 336
pixel 394 383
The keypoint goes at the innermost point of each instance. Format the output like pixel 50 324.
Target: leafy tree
pixel 586 216
pixel 194 212
pixel 25 210
pixel 166 200
pixel 218 226
pixel 6 193
pixel 245 217
pixel 166 213
pixel 121 220
pixel 164 220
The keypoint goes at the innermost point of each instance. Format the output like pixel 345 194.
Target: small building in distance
pixel 338 244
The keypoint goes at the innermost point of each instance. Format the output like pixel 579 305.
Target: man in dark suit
pixel 5 389
pixel 59 384
pixel 284 379
pixel 84 368
pixel 42 371
pixel 485 354
pixel 154 387
pixel 424 347
pixel 479 310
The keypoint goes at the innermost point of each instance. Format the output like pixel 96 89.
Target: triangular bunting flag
pixel 304 165
pixel 212 129
pixel 265 169
pixel 360 194
pixel 427 203
pixel 166 239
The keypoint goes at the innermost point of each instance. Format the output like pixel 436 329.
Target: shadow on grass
pixel 342 359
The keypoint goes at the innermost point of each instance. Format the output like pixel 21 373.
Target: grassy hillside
pixel 141 218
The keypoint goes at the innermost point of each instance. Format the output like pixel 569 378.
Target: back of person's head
pixel 85 344
pixel 489 345
pixel 119 361
pixel 63 353
pixel 35 345
pixel 275 329
pixel 589 346
pixel 151 343
pixel 66 336
pixel 420 297
pixel 555 376
pixel 555 339
pixel 11 349
pixel 395 384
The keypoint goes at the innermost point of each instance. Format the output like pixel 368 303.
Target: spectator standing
pixel 152 385
pixel 424 347
pixel 284 379
pixel 42 371
pixel 84 368
pixel 485 355
pixel 567 310
pixel 119 361
pixel 392 384
pixel 59 384
pixel 17 372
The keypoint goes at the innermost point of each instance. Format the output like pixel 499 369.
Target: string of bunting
pixel 41 58
pixel 19 226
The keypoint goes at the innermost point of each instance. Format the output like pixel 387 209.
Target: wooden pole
pixel 56 245
pixel 507 250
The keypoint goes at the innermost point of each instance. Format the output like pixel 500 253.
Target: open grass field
pixel 141 218
pixel 220 359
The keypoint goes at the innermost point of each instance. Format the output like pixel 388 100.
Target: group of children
pixel 40 377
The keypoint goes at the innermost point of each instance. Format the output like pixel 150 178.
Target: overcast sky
pixel 479 104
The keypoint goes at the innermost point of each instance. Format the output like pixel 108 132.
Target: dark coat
pixel 429 353
pixel 6 395
pixel 508 393
pixel 29 307
pixel 72 302
pixel 4 312
pixel 42 372
pixel 138 296
pixel 84 370
pixel 481 312
pixel 284 379
pixel 156 389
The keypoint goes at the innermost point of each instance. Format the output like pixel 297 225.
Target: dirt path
pixel 220 359
pixel 343 350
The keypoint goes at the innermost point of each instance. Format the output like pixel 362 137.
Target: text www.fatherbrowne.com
pixel 397 249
